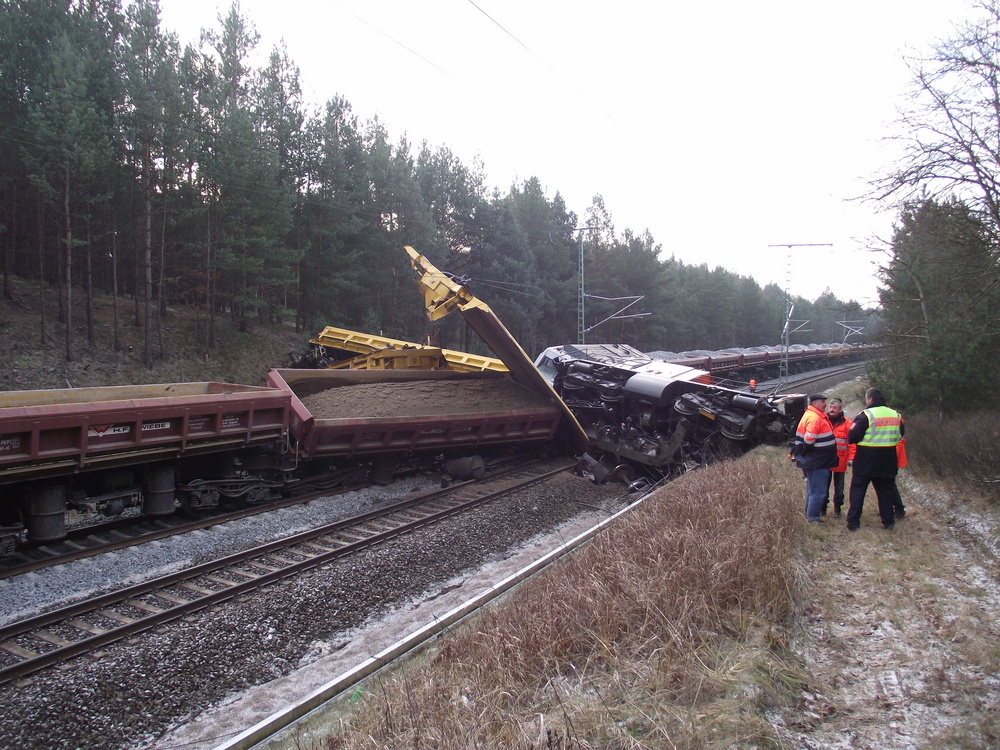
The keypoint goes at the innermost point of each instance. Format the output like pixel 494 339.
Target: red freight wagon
pixel 354 412
pixel 49 436
pixel 51 431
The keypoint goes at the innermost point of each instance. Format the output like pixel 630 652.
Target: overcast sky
pixel 724 128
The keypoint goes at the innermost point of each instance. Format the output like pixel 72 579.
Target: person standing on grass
pixel 841 427
pixel 876 432
pixel 815 453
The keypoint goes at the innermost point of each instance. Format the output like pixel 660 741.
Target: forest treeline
pixel 940 293
pixel 165 174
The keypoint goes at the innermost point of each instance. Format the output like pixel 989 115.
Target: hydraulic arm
pixel 443 295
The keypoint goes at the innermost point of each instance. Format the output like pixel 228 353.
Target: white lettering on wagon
pixel 103 430
pixel 10 444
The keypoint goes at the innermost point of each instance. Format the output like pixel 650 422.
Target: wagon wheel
pixel 198 501
pixel 624 473
pixel 257 496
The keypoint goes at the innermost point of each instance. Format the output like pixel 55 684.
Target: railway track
pixel 87 541
pixel 817 379
pixel 60 635
pixel 822 379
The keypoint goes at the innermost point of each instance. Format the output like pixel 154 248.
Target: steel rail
pixel 77 535
pixel 268 727
pixel 332 541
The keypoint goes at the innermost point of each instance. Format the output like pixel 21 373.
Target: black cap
pixel 816 397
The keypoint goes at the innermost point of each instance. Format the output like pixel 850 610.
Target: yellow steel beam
pixel 365 343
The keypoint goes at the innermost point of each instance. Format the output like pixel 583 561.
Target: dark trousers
pixel 837 480
pixel 890 504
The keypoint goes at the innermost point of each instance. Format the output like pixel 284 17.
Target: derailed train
pixel 637 415
pixel 650 417
pixel 196 445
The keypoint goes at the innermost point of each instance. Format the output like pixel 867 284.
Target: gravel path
pixel 139 689
pixel 899 633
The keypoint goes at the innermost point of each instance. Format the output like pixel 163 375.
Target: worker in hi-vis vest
pixel 876 432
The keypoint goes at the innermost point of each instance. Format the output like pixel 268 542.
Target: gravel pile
pixel 139 689
pixel 422 398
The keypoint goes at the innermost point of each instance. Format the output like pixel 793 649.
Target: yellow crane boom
pixel 443 295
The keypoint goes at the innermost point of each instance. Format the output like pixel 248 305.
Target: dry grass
pixel 961 452
pixel 714 617
pixel 665 632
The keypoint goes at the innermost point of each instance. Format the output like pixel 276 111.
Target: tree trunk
pixel 136 270
pixel 89 284
pixel 114 280
pixel 9 241
pixel 68 268
pixel 210 287
pixel 147 262
pixel 161 304
pixel 41 267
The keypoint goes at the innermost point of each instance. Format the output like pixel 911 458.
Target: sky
pixel 739 134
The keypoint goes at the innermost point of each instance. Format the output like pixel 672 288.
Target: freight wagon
pixel 157 448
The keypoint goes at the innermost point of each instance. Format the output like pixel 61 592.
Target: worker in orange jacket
pixel 815 452
pixel 845 452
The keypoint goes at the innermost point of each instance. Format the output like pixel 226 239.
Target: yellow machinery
pixel 442 295
pixel 384 353
pixel 426 358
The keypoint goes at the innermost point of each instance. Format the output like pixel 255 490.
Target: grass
pixel 664 632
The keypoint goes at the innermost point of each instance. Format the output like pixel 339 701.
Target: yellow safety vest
pixel 883 427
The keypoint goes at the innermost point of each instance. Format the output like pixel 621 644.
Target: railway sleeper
pixel 86 627
pixel 19 651
pixel 50 637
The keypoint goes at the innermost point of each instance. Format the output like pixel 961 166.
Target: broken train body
pixel 646 417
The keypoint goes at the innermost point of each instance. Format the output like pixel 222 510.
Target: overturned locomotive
pixel 647 416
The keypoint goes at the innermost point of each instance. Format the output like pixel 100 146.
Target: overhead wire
pixel 506 290
pixel 392 39
pixel 530 51
pixel 507 31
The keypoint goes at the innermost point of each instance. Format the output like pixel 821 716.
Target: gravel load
pixel 417 398
pixel 133 692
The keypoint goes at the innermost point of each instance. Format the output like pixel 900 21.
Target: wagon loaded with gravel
pixel 154 448
pixel 389 414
